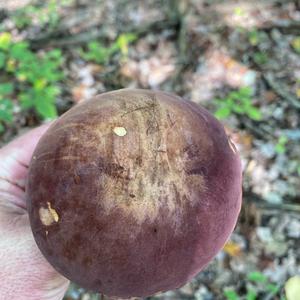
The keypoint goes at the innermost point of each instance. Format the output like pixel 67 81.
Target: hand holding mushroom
pixel 24 272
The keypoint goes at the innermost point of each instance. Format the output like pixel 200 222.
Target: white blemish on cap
pixel 120 131
pixel 232 146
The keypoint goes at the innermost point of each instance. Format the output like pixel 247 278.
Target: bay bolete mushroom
pixel 133 192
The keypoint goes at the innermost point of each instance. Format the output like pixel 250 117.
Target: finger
pixel 14 161
pixel 26 273
pixel 15 157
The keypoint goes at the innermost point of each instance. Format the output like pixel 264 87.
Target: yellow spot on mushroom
pixel 47 232
pixel 48 215
pixel 53 212
pixel 120 131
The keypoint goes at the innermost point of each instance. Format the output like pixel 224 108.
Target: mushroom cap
pixel 133 192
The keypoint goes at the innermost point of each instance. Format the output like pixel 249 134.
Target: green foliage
pixel 100 54
pixel 257 277
pixel 253 37
pixel 46 13
pixel 238 102
pixel 274 289
pixel 260 58
pixel 251 295
pixel 296 44
pixel 30 78
pixel 231 295
pixel 256 37
pixel 6 106
pixel 280 146
pixel 239 11
pixel 256 283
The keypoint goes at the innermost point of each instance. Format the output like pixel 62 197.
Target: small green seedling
pixel 239 102
pixel 100 54
pixel 256 283
pixel 280 147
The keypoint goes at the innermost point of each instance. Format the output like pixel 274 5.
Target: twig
pixel 261 203
pixel 286 26
pixel 52 39
pixel 259 131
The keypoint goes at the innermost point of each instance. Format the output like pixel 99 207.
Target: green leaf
pixel 231 295
pixel 1 128
pixel 5 40
pixel 280 146
pixel 245 91
pixel 222 113
pixel 273 288
pixel 52 91
pixel 20 51
pixel 123 42
pixel 257 277
pixel 260 58
pixel 55 53
pixel 46 109
pixel 238 108
pixel 253 37
pixel 6 89
pixel 251 295
pixel 2 60
pixel 254 113
pixel 40 84
pixel 239 11
pixel 6 110
pixel 283 140
pixel 296 44
pixel 235 95
pixel 96 52
pixel 26 100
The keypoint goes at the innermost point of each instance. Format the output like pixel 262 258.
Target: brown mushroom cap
pixel 133 192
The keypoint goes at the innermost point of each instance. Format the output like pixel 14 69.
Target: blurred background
pixel 239 59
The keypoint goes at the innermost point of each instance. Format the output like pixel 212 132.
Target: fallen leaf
pixel 292 288
pixel 232 249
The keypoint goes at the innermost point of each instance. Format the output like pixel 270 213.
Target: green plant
pixel 31 79
pixel 257 277
pixel 231 295
pixel 255 37
pixel 296 44
pixel 256 283
pixel 100 54
pixel 239 11
pixel 46 13
pixel 238 102
pixel 6 106
pixel 260 58
pixel 280 146
pixel 263 283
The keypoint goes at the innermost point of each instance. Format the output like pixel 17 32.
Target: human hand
pixel 24 272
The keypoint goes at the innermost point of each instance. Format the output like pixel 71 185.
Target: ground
pixel 239 59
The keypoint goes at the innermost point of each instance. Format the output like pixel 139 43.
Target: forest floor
pixel 239 59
